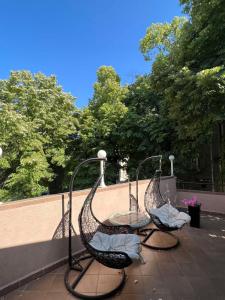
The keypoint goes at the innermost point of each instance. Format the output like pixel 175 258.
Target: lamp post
pixel 171 158
pixel 102 154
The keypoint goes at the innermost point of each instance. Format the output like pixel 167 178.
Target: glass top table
pixel 134 219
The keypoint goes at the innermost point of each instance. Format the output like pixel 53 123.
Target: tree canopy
pixel 188 72
pixel 36 120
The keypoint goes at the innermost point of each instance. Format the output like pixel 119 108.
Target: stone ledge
pixel 56 197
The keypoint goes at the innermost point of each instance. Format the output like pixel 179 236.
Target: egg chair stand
pixel 148 232
pixel 89 225
pixel 72 285
pixel 153 197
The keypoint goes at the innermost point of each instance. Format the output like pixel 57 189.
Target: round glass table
pixel 134 219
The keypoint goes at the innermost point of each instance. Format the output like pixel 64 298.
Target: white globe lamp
pixel 102 154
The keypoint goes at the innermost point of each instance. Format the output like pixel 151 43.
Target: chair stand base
pixel 143 232
pixel 72 284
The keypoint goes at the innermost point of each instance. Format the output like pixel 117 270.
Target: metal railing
pixel 193 185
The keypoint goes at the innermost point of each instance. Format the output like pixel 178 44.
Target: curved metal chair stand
pixel 153 198
pixel 89 225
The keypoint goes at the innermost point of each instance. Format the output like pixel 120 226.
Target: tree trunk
pixel 212 166
pixel 56 186
pixel 221 139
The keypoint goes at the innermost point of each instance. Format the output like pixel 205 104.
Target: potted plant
pixel 194 209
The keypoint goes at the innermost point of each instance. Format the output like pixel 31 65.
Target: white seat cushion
pixel 128 243
pixel 170 216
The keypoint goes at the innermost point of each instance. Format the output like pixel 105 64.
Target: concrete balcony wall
pixel 28 243
pixel 210 201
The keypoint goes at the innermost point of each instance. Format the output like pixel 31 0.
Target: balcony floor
pixel 194 270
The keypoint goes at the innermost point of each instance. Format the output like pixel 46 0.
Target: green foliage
pixel 203 42
pixel 195 101
pixel 188 73
pixel 26 181
pixel 99 125
pixel 36 118
pixel 107 103
pixel 107 108
pixel 161 37
pixel 145 130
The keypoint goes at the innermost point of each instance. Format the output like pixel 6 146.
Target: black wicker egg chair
pixel 89 225
pixel 154 199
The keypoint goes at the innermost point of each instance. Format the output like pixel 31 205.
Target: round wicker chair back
pixel 89 225
pixel 154 199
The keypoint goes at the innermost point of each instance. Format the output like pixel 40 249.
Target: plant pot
pixel 194 212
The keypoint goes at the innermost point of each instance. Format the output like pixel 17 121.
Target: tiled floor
pixel 194 270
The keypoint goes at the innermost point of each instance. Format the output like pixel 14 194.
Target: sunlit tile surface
pixel 195 270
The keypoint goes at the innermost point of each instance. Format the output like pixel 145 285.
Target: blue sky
pixel 73 38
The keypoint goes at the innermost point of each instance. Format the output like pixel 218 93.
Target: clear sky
pixel 73 38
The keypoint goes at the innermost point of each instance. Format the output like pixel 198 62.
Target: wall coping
pixel 200 192
pixel 57 197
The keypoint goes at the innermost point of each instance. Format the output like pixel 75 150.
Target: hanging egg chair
pixel 112 246
pixel 165 217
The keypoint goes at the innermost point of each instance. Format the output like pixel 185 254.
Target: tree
pixel 100 120
pixel 145 130
pixel 36 119
pixel 160 38
pixel 203 41
pixel 188 72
